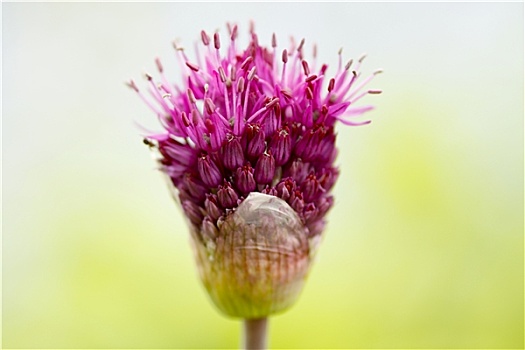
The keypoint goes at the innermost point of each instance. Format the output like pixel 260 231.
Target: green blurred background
pixel 424 246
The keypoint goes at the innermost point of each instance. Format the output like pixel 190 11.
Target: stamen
pixel 340 64
pixel 191 96
pixel 234 33
pixel 272 103
pixel 205 38
pixel 195 117
pixel 274 41
pixel 216 41
pixel 154 90
pixel 305 68
pixel 217 45
pixel 314 56
pixel 206 89
pixel 245 105
pixel 285 56
pixel 234 98
pixel 300 47
pixel 309 94
pixel 224 80
pixel 239 118
pixel 341 94
pixel 185 119
pixel 240 85
pixel 222 74
pixel 159 65
pixel 192 66
pixel 324 110
pixel 349 64
pixel 361 95
pixel 331 85
pixel 252 72
pixel 247 93
pixel 132 85
pixel 169 99
pixel 341 75
pixel 311 78
pixel 360 86
pixel 209 106
pixel 285 59
pixel 246 62
pixel 255 40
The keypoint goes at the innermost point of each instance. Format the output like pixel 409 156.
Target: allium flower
pixel 249 145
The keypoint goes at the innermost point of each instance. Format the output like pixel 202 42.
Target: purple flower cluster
pixel 252 120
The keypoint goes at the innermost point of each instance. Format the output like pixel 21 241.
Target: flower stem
pixel 255 334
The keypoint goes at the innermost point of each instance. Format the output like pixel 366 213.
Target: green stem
pixel 255 334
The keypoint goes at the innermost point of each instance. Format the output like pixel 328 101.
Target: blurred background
pixel 424 246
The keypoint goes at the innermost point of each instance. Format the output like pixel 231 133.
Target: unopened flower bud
pixel 194 187
pixel 253 140
pixel 324 205
pixel 265 169
pixel 281 146
pixel 310 212
pixel 285 188
pixel 308 147
pixel 227 196
pixel 328 178
pixel 298 170
pixel 192 211
pixel 296 201
pixel 270 191
pixel 311 188
pixel 209 231
pixel 208 170
pixel 326 148
pixel 244 179
pixel 232 156
pixel 272 120
pixel 212 207
pixel 260 260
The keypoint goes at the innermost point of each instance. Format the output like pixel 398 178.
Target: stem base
pixel 255 334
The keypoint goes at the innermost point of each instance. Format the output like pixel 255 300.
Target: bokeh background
pixel 424 247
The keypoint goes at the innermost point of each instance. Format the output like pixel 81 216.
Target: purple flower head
pixel 250 120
